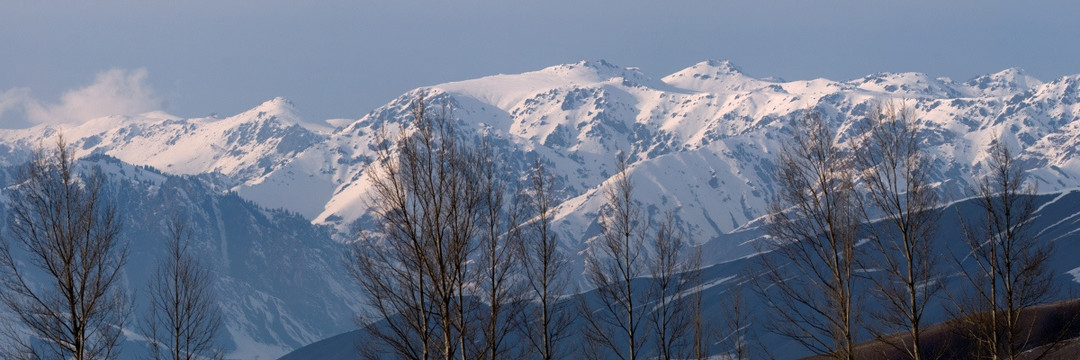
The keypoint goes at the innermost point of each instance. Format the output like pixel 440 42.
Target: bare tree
pixel 700 337
pixel 1008 267
pixel 499 246
pixel 672 275
pixel 413 263
pixel 612 263
pixel 61 263
pixel 895 175
pixel 184 318
pixel 545 322
pixel 807 279
pixel 737 324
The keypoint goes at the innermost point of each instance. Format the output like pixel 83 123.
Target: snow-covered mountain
pixel 700 141
pixel 242 148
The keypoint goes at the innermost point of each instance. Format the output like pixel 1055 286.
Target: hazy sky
pixel 63 61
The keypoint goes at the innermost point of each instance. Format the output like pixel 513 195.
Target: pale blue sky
pixel 336 58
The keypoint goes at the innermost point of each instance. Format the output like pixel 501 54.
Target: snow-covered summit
pixel 907 84
pixel 282 110
pixel 1007 82
pixel 278 108
pixel 714 76
pixel 506 91
pixel 244 146
pixel 597 71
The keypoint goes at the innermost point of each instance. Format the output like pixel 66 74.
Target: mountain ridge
pixel 579 115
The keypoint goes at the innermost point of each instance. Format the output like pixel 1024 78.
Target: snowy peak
pixel 279 108
pixel 714 68
pixel 242 147
pixel 1063 91
pixel 725 65
pixel 1003 83
pixel 508 91
pixel 596 71
pixel 907 84
pixel 713 76
pixel 271 121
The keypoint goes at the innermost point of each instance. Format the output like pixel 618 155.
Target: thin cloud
pixel 113 92
pixel 13 100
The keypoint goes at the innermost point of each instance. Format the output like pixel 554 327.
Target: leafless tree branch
pixel 65 232
pixel 184 318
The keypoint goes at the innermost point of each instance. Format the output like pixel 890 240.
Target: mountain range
pixel 277 196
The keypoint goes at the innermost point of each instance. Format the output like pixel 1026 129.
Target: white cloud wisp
pixel 113 92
